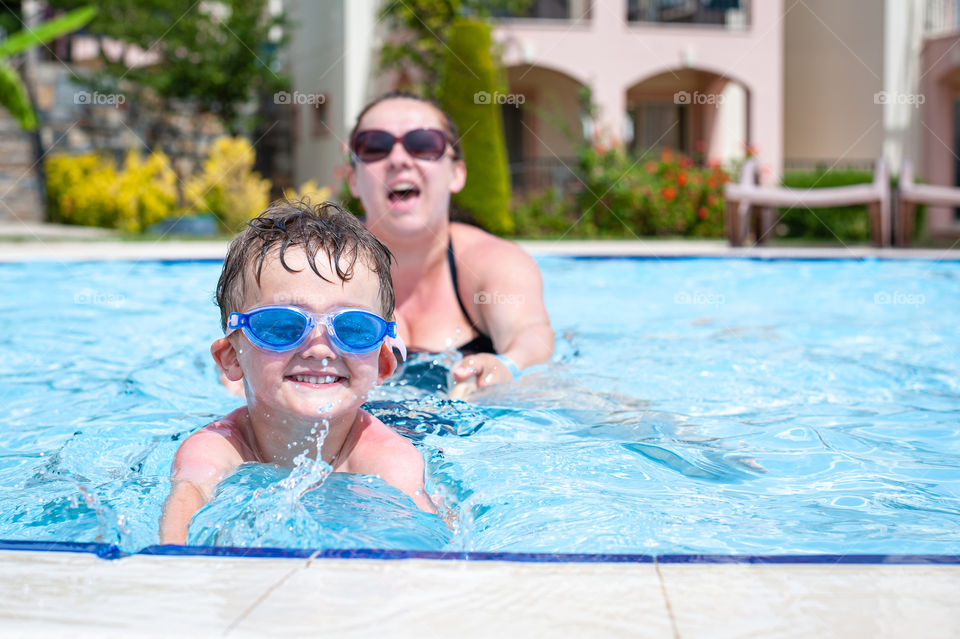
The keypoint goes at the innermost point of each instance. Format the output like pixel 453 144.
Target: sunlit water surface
pixel 692 406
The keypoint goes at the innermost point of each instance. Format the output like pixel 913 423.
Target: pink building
pixel 817 83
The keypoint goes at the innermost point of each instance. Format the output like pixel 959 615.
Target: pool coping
pixel 72 251
pixel 112 552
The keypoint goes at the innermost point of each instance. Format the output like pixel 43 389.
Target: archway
pixel 697 112
pixel 543 124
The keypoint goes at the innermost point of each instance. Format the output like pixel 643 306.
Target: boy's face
pixel 286 385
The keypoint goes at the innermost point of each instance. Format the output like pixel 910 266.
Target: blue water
pixel 692 406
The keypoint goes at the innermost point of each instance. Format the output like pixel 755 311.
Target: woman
pixel 456 285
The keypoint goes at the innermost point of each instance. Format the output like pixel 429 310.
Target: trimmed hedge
pixel 848 223
pixel 468 86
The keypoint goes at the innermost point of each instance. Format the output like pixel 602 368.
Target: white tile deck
pixel 876 601
pixel 71 595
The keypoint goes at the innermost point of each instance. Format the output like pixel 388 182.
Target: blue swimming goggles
pixel 283 328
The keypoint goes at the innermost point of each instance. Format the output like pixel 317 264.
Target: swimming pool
pixel 717 406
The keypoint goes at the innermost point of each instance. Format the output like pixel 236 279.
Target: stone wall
pixel 19 187
pixel 77 119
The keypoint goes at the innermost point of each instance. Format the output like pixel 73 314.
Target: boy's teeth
pixel 312 379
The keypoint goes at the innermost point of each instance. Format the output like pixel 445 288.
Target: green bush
pixel 547 215
pixel 848 223
pixel 90 190
pixel 469 71
pixel 626 196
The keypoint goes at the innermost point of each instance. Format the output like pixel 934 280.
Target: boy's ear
pixel 225 355
pixel 387 361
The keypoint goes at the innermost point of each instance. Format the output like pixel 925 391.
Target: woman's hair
pixel 449 126
pixel 324 229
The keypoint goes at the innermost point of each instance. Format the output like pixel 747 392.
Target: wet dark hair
pixel 323 229
pixel 449 126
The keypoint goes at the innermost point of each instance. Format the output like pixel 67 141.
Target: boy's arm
pixel 406 473
pixel 202 460
pixel 379 450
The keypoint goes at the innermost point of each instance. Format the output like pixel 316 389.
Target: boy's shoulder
pixel 221 444
pixel 373 446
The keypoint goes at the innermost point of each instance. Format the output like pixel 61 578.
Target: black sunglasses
pixel 373 145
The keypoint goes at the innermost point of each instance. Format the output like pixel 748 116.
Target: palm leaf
pixel 49 30
pixel 13 97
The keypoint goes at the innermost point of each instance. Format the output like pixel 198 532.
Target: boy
pixel 302 298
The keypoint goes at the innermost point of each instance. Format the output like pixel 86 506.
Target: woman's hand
pixel 483 369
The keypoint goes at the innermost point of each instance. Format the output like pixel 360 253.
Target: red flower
pixel 702 212
pixel 651 167
pixel 681 179
pixel 669 193
pixel 711 182
pixel 666 156
pixel 686 163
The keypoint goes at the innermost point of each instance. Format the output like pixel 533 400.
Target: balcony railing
pixel 545 173
pixel 733 14
pixel 940 17
pixel 570 10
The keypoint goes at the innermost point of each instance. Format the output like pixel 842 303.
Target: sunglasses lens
pixel 359 330
pixel 370 146
pixel 277 328
pixel 425 144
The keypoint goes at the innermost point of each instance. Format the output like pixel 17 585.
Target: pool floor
pixel 79 594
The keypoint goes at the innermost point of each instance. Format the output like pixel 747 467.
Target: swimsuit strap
pixel 456 287
pixel 482 342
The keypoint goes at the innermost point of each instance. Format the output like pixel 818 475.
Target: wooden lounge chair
pixel 911 195
pixel 744 196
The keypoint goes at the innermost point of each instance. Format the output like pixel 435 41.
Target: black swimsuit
pixel 482 342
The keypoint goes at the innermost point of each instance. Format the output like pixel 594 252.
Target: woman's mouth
pixel 402 192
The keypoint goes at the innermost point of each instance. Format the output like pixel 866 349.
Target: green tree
pixel 13 93
pixel 219 55
pixel 424 27
pixel 469 80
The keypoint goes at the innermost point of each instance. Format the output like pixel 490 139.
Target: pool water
pixel 692 406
